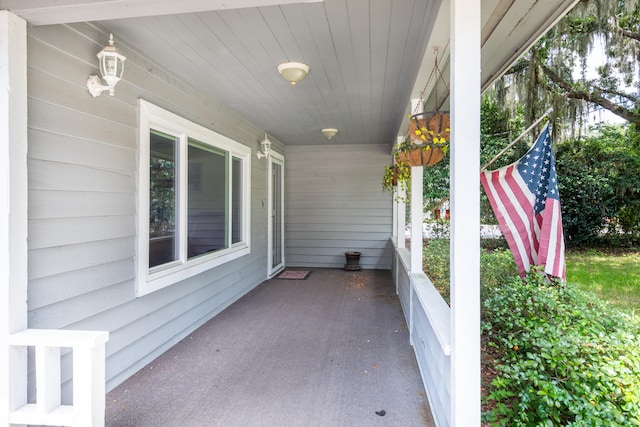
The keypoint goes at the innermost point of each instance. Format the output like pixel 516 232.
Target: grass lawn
pixel 615 277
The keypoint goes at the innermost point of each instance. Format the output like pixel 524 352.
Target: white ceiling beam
pixel 47 12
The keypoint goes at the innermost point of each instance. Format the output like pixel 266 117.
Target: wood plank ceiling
pixel 364 57
pixel 368 58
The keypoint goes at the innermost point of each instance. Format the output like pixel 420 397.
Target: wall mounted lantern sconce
pixel 111 65
pixel 266 146
pixel 329 132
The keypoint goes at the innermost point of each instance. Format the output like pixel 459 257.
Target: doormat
pixel 294 275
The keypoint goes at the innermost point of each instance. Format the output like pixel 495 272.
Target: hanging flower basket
pixel 421 156
pixel 398 173
pixel 427 141
pixel 430 127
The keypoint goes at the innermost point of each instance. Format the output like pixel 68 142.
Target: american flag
pixel 525 199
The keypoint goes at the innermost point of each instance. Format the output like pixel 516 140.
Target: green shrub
pixel 563 357
pixel 436 265
pixel 493 243
pixel 496 266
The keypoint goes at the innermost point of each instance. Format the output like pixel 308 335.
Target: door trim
pixel 272 270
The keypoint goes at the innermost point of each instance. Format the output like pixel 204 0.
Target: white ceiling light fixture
pixel 293 71
pixel 329 132
pixel 266 146
pixel 111 64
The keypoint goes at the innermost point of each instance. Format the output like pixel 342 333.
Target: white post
pixel 402 217
pixel 47 378
pixel 13 210
pixel 417 218
pixel 417 210
pixel 401 225
pixel 417 106
pixel 465 213
pixel 89 385
pixel 401 210
pixel 394 221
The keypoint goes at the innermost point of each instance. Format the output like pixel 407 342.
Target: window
pixel 193 199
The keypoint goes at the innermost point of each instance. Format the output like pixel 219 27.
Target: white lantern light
pixel 111 64
pixel 266 146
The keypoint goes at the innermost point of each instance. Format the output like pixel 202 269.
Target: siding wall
pixel 334 203
pixel 82 202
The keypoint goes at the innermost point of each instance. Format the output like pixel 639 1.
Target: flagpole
pixel 517 139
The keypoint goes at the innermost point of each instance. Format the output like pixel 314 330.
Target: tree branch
pixel 594 98
pixel 629 34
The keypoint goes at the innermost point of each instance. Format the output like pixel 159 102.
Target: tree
pixel 497 128
pixel 545 76
pixel 599 183
pixel 598 177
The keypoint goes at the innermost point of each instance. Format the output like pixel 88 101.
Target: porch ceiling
pixel 368 58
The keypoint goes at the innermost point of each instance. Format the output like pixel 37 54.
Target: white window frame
pixel 152 117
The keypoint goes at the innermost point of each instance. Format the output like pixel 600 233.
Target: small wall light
pixel 111 64
pixel 266 146
pixel 329 132
pixel 293 71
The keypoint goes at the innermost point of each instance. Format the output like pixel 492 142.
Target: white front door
pixel 275 212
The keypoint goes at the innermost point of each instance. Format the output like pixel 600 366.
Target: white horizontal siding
pixel 70 284
pixel 53 232
pixel 82 201
pixel 64 149
pixel 334 203
pixel 44 204
pixel 56 260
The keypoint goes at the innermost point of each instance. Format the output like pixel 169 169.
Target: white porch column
pixel 416 219
pixel 465 213
pixel 13 209
pixel 400 210
pixel 417 210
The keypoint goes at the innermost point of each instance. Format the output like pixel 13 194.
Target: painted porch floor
pixel 330 350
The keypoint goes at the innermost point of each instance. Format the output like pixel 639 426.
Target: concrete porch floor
pixel 330 350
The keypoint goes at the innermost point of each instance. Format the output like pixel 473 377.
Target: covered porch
pixel 330 350
pixel 76 217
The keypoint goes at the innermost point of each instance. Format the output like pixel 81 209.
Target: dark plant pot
pixel 353 261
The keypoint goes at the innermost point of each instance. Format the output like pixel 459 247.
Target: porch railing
pixel 88 378
pixel 428 320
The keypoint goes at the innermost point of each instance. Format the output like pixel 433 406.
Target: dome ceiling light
pixel 329 132
pixel 293 71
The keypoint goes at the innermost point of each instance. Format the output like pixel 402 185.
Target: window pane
pixel 162 199
pixel 207 200
pixel 236 200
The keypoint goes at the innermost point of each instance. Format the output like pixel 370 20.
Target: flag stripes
pixel 524 197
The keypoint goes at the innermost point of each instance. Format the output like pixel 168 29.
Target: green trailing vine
pixel 396 175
